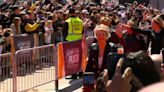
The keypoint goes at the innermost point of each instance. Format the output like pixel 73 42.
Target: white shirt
pixel 100 62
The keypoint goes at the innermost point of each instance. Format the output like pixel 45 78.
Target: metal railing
pixel 28 68
pixel 7 73
pixel 35 66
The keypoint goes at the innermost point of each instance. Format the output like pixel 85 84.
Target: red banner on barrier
pixel 71 58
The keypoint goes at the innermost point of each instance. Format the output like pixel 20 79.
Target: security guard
pixel 73 30
pixel 73 27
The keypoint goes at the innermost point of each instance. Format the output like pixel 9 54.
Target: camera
pixel 112 60
pixel 163 54
pixel 88 78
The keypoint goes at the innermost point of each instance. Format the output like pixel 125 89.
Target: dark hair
pixel 143 68
pixel 6 34
pixel 49 17
pixel 72 10
pixel 93 18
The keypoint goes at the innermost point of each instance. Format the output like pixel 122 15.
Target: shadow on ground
pixel 74 85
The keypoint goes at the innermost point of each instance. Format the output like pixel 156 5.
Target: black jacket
pixel 92 65
pixel 157 39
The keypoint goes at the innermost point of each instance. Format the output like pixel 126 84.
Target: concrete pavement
pixel 64 86
pixel 41 76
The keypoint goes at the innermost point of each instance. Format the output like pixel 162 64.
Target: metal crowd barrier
pixel 7 73
pixel 34 67
pixel 28 68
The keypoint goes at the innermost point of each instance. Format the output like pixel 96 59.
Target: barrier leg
pixel 56 85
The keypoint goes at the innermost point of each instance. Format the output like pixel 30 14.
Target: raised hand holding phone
pixel 120 82
pixel 112 60
pixel 88 78
pixel 88 82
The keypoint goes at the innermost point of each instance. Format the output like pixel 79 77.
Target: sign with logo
pixel 71 58
pixel 23 41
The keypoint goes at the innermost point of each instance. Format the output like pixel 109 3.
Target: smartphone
pixel 163 54
pixel 112 60
pixel 88 78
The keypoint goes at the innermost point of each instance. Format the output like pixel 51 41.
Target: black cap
pixel 4 6
pixel 11 7
pixel 15 7
pixel 92 4
pixel 72 10
pixel 74 3
pixel 1 6
pixel 59 6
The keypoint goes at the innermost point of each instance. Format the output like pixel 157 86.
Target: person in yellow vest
pixel 73 27
pixel 73 30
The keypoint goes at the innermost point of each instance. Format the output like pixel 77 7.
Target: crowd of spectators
pixel 48 18
pixel 135 26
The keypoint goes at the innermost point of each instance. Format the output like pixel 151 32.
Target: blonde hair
pixel 104 19
pixel 48 22
pixel 131 23
pixel 159 20
pixel 16 22
pixel 103 28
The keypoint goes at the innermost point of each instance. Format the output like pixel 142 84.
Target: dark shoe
pixel 80 74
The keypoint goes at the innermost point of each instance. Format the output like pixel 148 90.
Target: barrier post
pixel 7 73
pixel 14 73
pixel 56 70
pixel 56 85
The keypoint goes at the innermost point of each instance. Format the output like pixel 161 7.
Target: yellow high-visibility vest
pixel 75 28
